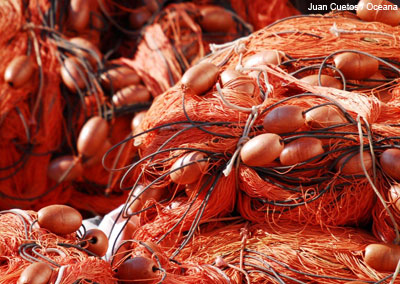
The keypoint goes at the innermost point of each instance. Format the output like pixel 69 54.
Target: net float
pixel 130 95
pixel 215 19
pixel 191 168
pixel 137 119
pixel 274 57
pixel 201 77
pixel 79 14
pixel 351 164
pixel 326 81
pixel 284 119
pixel 147 248
pixel 59 219
pixel 324 116
pixel 390 162
pixel 394 196
pixel 97 242
pixel 383 95
pixel 229 75
pixel 382 257
pixel 261 150
pixel 376 76
pixel 35 273
pixel 19 71
pixel 300 150
pixel 85 48
pixel 97 158
pixel 73 73
pixel 205 183
pixel 92 136
pixel 356 66
pixel 139 270
pixel 119 77
pixel 59 166
pixel 140 196
pixel 378 11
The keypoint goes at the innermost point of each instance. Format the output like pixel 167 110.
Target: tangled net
pixel 23 242
pixel 175 40
pixel 31 116
pixel 342 185
pixel 285 254
pixel 43 118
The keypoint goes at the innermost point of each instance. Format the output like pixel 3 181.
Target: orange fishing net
pixel 23 243
pixel 288 254
pixel 31 116
pixel 175 40
pixel 260 253
pixel 41 120
pixel 317 191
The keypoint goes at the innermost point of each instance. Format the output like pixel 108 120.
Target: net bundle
pixel 25 243
pixel 256 253
pixel 71 61
pixel 200 127
pixel 31 114
pixel 41 115
pixel 176 37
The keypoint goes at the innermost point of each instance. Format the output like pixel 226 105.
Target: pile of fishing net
pixel 294 126
pixel 41 114
pixel 175 37
pixel 51 246
pixel 65 63
pixel 275 158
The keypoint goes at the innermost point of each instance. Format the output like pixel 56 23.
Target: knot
pixel 243 140
pixel 213 48
pixel 220 262
pixel 240 47
pixel 239 67
pixel 334 30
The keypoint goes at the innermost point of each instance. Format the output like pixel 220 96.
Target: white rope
pixel 22 213
pixel 239 48
pixel 232 106
pixel 218 47
pixel 220 272
pixel 336 31
pixel 245 137
pixel 396 272
pixel 269 88
pixel 60 252
pixel 60 274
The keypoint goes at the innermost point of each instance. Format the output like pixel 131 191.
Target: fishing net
pixel 341 185
pixel 41 119
pixel 31 115
pixel 174 40
pixel 23 242
pixel 261 254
